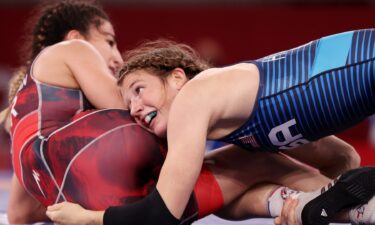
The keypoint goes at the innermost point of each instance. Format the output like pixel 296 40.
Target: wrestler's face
pixel 103 39
pixel 149 98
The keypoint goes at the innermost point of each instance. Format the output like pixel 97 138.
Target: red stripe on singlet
pixel 208 193
pixel 26 129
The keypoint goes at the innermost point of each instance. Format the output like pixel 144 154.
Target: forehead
pixel 105 28
pixel 135 76
pixel 141 75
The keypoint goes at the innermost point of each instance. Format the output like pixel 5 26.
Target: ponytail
pixel 14 85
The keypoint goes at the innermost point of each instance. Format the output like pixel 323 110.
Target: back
pixel 38 111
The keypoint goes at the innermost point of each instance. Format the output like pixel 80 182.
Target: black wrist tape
pixel 149 211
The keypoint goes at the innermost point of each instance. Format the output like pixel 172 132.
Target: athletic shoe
pixel 353 188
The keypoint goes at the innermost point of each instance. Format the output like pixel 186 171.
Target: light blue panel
pixel 332 52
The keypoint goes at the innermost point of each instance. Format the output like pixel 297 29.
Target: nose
pixel 136 108
pixel 117 59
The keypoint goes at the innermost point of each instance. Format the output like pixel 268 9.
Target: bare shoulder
pixel 240 68
pixel 223 91
pixel 72 47
pixel 64 49
pixel 216 84
pixel 53 64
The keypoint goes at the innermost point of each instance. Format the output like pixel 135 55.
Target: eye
pixel 111 43
pixel 138 90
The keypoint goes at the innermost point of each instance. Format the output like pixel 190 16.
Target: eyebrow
pixel 110 34
pixel 133 83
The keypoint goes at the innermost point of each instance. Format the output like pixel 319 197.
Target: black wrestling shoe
pixel 353 188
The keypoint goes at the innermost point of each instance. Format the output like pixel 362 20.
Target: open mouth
pixel 150 117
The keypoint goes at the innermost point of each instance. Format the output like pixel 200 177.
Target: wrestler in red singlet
pixel 63 150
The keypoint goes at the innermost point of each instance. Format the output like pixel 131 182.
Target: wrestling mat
pixel 209 220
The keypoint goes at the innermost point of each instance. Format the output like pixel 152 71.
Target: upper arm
pixel 77 64
pixel 93 76
pixel 189 119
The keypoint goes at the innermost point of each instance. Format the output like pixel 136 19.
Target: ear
pixel 73 34
pixel 177 78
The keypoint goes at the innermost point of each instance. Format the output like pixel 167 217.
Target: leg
pixel 249 205
pixel 23 208
pixel 284 171
pixel 237 170
pixel 331 155
pixel 354 187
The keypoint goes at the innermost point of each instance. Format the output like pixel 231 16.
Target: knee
pixel 350 158
pixel 20 216
pixel 341 160
pixel 15 217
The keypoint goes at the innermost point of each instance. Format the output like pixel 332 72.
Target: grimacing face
pixel 149 98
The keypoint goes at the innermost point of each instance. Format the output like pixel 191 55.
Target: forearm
pixel 177 180
pixel 149 211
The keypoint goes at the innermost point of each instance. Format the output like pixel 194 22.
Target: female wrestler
pixel 49 96
pixel 276 103
pixel 62 150
pixel 151 107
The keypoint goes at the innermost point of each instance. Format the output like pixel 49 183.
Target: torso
pixel 309 92
pixel 62 149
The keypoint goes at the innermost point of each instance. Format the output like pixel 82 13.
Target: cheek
pixel 105 52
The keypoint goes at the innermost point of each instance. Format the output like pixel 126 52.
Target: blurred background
pixel 223 31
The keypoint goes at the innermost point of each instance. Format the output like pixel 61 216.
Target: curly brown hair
pixel 162 56
pixel 49 25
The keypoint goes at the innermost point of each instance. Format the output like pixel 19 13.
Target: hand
pixel 67 213
pixel 288 216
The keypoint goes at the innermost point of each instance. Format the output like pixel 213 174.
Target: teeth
pixel 149 117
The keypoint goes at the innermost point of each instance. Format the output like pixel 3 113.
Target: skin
pixel 68 64
pixel 22 207
pixel 238 182
pixel 142 94
pixel 176 102
pixel 61 65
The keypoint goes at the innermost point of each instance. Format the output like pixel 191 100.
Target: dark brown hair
pixel 162 56
pixel 54 21
pixel 49 25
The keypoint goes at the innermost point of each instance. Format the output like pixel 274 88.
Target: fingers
pixel 287 216
pixel 292 212
pixel 53 211
pixel 52 215
pixel 55 206
pixel 277 220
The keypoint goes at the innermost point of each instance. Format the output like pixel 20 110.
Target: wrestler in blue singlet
pixel 312 91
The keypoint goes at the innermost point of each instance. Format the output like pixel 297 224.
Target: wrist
pixel 96 217
pixel 149 211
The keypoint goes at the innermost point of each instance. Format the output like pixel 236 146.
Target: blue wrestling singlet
pixel 310 92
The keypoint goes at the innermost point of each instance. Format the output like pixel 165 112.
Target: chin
pixel 160 133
